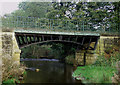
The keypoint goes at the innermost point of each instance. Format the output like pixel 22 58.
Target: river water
pixel 50 71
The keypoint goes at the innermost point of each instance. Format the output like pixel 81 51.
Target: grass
pixel 94 74
pixel 10 82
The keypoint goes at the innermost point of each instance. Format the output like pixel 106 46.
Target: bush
pixel 116 77
pixel 104 60
pixel 9 81
pixel 70 59
pixel 10 68
pixel 102 71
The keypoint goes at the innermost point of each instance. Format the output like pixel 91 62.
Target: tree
pixel 116 15
pixel 97 14
pixel 35 9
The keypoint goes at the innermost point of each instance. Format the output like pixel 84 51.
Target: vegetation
pixel 33 9
pixel 116 77
pixel 70 59
pixel 49 50
pixel 94 74
pixel 102 71
pixel 100 15
pixel 11 71
pixel 36 51
pixel 12 81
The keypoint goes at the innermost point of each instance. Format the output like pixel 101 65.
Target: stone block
pixel 16 57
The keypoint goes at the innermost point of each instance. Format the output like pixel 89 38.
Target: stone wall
pixel 107 42
pixel 90 57
pixel 10 52
pixel 16 50
pixel 7 45
pixel 10 46
pixel 79 57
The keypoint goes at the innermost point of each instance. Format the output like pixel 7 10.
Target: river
pixel 50 71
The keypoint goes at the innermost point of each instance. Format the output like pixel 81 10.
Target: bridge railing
pixel 56 24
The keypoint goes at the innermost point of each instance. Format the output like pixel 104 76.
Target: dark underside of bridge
pixel 80 41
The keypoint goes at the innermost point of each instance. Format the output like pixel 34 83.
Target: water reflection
pixel 51 71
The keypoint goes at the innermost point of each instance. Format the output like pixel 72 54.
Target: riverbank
pixel 106 69
pixel 94 74
pixel 14 75
pixel 15 80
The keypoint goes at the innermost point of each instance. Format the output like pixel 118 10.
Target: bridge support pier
pixel 100 47
pixel 105 43
pixel 83 57
pixel 16 50
pixel 79 57
pixel 10 46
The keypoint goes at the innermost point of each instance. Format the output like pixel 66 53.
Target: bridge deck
pixel 58 32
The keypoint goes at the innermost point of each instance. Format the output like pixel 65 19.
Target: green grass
pixel 25 73
pixel 11 81
pixel 94 74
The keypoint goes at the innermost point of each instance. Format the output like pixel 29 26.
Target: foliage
pixel 110 57
pixel 102 70
pixel 9 81
pixel 94 74
pixel 35 9
pixel 57 49
pixel 36 51
pixel 10 68
pixel 110 61
pixel 70 59
pixel 49 50
pixel 99 15
pixel 116 77
pixel 63 50
pixel 24 73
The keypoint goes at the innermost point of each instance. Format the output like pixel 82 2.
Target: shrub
pixel 103 70
pixel 10 68
pixel 108 61
pixel 116 77
pixel 70 59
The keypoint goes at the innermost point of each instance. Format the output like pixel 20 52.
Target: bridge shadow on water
pixel 50 71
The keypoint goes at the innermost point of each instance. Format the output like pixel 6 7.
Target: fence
pixel 58 24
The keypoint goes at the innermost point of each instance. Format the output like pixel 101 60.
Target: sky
pixel 8 6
